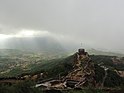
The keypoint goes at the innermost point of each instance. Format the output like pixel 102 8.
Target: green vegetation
pixel 107 61
pixel 113 79
pixel 14 66
pixel 99 74
pixel 90 90
pixel 104 60
pixel 62 66
pixel 17 62
pixel 25 87
pixel 53 68
pixel 28 87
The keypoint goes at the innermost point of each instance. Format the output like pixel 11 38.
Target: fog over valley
pixel 62 24
pixel 61 46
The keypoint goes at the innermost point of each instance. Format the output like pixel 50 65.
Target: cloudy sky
pixel 94 23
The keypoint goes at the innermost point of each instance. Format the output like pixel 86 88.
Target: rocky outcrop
pixel 120 73
pixel 83 71
pixel 82 74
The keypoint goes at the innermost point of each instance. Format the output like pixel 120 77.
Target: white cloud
pixel 97 23
pixel 31 33
pixel 25 33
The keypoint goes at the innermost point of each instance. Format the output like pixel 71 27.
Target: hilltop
pixel 75 71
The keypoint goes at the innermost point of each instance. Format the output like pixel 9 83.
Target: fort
pixel 82 74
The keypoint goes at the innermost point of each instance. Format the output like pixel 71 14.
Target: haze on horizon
pixel 94 23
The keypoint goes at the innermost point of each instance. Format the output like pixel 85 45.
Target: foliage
pixel 113 79
pixel 90 90
pixel 101 59
pixel 25 87
pixel 99 73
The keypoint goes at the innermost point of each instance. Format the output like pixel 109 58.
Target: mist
pixel 70 23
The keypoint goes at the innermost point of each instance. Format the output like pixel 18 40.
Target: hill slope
pixel 62 66
pixel 99 52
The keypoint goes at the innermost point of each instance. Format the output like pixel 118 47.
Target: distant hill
pixel 99 52
pixel 37 44
pixel 12 52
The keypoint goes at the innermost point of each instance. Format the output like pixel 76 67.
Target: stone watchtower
pixel 81 51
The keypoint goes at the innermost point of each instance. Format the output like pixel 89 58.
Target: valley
pixel 40 68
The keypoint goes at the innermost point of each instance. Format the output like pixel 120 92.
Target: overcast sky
pixel 95 23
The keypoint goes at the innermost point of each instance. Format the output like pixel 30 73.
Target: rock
pixel 82 74
pixel 83 71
